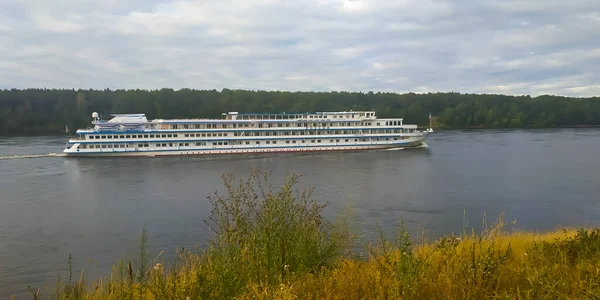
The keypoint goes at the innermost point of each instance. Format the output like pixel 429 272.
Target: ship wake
pixel 31 156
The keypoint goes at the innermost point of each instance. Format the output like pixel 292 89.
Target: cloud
pixel 489 46
pixel 49 23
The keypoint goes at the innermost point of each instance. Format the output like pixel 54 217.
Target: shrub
pixel 264 235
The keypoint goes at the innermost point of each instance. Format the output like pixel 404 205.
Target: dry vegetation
pixel 273 244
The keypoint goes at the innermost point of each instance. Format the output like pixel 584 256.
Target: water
pixel 95 209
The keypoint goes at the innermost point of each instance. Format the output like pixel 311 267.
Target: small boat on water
pixel 135 135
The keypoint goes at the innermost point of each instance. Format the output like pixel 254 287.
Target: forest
pixel 50 111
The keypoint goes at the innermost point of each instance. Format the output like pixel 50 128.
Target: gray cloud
pixel 487 46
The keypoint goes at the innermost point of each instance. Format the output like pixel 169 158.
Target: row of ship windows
pixel 146 145
pixel 315 132
pixel 288 124
pixel 273 125
pixel 130 136
pixel 295 116
pixel 249 133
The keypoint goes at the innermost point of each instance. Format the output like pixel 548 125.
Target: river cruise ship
pixel 135 135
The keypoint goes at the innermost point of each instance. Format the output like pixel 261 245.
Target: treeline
pixel 48 111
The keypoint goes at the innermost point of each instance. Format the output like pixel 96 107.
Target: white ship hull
pixel 244 150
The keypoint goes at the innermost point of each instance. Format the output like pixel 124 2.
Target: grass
pixel 272 243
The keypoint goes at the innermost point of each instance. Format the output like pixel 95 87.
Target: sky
pixel 524 47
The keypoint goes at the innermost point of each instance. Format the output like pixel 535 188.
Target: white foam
pixel 395 149
pixel 32 156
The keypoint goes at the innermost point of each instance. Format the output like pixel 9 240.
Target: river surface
pixel 96 208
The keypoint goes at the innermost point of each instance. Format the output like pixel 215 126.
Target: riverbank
pixel 271 242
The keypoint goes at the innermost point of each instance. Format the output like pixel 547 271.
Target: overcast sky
pixel 481 46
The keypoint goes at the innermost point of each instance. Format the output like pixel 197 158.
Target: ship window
pixel 247 143
pixel 287 142
pixel 164 135
pixel 293 142
pixel 337 141
pixel 186 135
pixel 164 144
pixel 91 137
pixel 157 145
pixel 274 142
pixel 214 143
pixel 175 135
pixel 145 136
pixel 103 146
pixel 127 136
pixel 187 144
pixel 121 136
pixel 103 137
pixel 312 141
pixel 152 135
pixel 198 143
pixel 84 146
pixel 180 144
pixel 224 143
pixel 170 144
pixel 203 134
pixel 268 142
pixel 331 141
pixel 220 143
pixel 219 134
pixel 346 140
pixel 257 142
pixel 169 135
pixel 110 136
pixel 146 145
